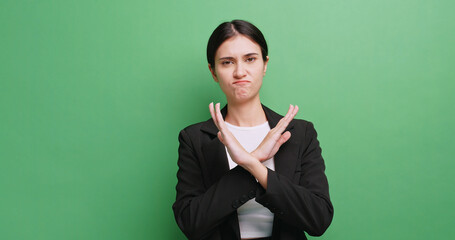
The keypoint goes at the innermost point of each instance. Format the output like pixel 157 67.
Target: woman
pixel 249 173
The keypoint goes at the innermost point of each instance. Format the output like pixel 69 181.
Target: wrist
pixel 259 171
pixel 257 156
pixel 251 163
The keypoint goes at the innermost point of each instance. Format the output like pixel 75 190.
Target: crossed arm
pixel 266 149
pixel 305 204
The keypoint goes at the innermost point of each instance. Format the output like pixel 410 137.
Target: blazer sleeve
pixel 305 205
pixel 199 209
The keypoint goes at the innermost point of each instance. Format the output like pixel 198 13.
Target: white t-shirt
pixel 255 220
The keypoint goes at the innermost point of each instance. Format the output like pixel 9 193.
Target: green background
pixel 93 95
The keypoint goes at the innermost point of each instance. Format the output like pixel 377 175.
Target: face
pixel 239 69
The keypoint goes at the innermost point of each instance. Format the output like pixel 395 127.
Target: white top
pixel 255 221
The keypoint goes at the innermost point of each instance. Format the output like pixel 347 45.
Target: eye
pixel 250 59
pixel 226 62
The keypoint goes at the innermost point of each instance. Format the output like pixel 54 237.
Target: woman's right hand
pixel 275 138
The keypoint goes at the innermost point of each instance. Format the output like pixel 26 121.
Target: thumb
pixel 284 138
pixel 220 137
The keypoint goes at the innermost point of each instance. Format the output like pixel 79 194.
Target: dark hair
pixel 227 30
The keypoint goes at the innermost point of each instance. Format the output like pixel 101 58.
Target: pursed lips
pixel 241 81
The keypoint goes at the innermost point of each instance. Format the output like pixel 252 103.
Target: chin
pixel 242 98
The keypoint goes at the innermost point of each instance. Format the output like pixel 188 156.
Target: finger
pixel 220 136
pixel 219 117
pixel 288 115
pixel 291 108
pixel 212 112
pixel 296 109
pixel 289 112
pixel 283 119
pixel 284 122
pixel 284 138
pixel 293 113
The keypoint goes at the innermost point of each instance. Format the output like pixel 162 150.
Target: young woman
pixel 249 173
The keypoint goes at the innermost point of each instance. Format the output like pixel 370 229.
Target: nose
pixel 239 71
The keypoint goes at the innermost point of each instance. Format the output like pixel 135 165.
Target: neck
pixel 247 114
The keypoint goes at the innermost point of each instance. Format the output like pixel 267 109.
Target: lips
pixel 241 81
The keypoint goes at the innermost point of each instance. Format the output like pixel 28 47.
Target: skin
pixel 239 69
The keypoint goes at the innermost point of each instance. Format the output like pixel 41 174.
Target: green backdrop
pixel 93 95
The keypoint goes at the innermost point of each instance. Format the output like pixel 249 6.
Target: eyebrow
pixel 229 58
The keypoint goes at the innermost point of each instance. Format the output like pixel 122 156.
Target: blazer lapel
pixel 214 151
pixel 215 158
pixel 286 157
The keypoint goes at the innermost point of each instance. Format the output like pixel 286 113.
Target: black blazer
pixel 208 193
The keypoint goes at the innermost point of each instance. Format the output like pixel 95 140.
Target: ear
pixel 213 73
pixel 265 64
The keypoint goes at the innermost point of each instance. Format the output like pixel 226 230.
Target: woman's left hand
pixel 275 138
pixel 238 154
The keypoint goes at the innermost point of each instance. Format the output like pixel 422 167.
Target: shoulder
pixel 197 135
pixel 303 124
pixel 197 129
pixel 303 130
